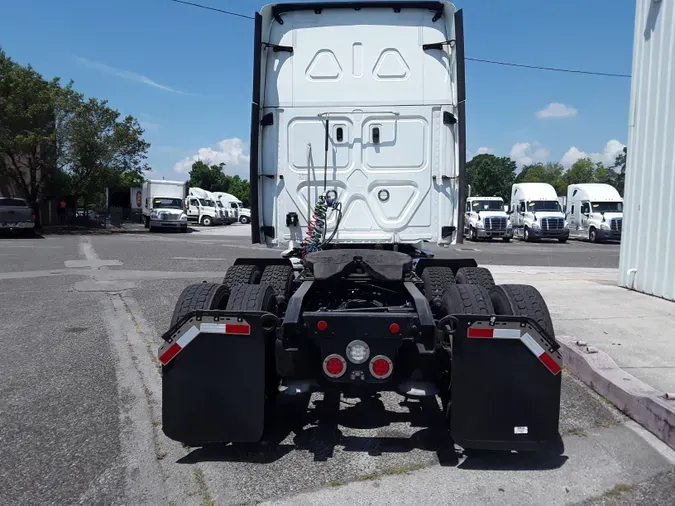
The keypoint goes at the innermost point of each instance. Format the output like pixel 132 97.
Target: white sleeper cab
pixel 486 218
pixel 594 212
pixel 356 125
pixel 536 213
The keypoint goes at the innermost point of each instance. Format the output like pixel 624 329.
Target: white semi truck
pixel 536 213
pixel 357 160
pixel 486 218
pixel 231 206
pixel 594 212
pixel 201 208
pixel 163 205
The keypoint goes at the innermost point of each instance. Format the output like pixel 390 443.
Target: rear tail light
pixel 334 366
pixel 381 367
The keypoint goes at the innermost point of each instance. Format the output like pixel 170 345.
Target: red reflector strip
pixel 240 329
pixel 480 332
pixel 178 345
pixel 540 353
pixel 549 363
pixel 171 352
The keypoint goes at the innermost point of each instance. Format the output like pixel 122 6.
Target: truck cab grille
pixel 552 224
pixel 616 224
pixel 495 224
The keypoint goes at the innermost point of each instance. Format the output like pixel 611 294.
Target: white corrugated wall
pixel 647 261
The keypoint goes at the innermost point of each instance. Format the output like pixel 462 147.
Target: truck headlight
pixel 153 215
pixel 604 226
pixel 479 224
pixel 183 217
pixel 566 225
pixel 535 224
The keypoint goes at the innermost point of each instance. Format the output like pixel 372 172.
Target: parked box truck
pixel 163 205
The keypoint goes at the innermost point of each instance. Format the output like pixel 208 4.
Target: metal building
pixel 647 261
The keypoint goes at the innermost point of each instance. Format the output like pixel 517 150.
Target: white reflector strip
pixel 532 344
pixel 213 328
pixel 186 338
pixel 506 333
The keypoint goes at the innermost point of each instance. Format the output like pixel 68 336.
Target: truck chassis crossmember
pixel 359 322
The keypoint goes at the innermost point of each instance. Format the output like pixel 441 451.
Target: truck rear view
pixel 355 124
pixel 356 157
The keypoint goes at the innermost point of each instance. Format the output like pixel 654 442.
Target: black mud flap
pixel 506 380
pixel 213 377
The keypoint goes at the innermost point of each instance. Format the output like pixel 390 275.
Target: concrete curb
pixel 641 402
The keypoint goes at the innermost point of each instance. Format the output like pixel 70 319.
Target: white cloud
pixel 526 153
pixel 229 151
pixel 126 74
pixel 149 126
pixel 484 151
pixel 607 157
pixel 557 110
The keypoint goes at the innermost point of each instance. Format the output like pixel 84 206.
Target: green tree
pixel 491 176
pixel 32 115
pixel 581 171
pixel 551 173
pixel 620 164
pixel 102 149
pixel 208 177
pixel 212 178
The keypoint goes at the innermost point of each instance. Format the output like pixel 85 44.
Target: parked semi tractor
pixel 594 212
pixel 357 160
pixel 201 208
pixel 536 213
pixel 486 218
pixel 230 205
pixel 163 206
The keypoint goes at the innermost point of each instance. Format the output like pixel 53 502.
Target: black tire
pixel 506 239
pixel 242 275
pixel 526 234
pixel 562 240
pixel 245 220
pixel 183 230
pixel 467 299
pixel 146 222
pixel 200 297
pixel 436 281
pixel 522 300
pixel 593 235
pixel 207 221
pixel 279 277
pixel 473 234
pixel 475 276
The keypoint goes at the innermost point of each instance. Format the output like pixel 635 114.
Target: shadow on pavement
pixel 20 235
pixel 318 431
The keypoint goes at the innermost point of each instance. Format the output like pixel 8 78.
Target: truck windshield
pixel 167 204
pixel 607 207
pixel 537 206
pixel 487 205
pixel 207 203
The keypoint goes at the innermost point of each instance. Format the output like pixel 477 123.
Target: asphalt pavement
pixel 81 415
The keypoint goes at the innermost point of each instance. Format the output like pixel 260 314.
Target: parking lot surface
pixel 82 319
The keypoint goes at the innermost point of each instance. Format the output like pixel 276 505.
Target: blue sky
pixel 186 72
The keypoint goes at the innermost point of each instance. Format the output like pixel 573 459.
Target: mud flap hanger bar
pixel 277 48
pixel 438 45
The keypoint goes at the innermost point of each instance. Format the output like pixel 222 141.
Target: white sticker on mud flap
pixel 520 430
pixel 212 328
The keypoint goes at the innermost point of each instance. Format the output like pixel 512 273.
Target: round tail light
pixel 381 367
pixel 334 366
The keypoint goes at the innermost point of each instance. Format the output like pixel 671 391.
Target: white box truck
pixel 536 213
pixel 163 205
pixel 201 208
pixel 485 218
pixel 594 212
